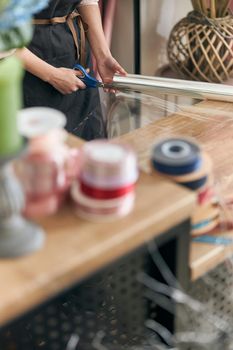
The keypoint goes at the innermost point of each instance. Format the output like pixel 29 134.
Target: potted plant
pixel 200 46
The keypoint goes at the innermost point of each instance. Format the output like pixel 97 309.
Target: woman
pixel 57 45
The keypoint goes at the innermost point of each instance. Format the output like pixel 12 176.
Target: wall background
pixel 157 19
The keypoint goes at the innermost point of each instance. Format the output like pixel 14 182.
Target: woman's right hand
pixel 66 80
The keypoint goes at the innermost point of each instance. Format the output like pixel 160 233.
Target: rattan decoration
pixel 201 48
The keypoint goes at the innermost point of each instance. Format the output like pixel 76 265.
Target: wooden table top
pixel 211 123
pixel 76 248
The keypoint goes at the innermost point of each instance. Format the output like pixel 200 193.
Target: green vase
pixel 11 72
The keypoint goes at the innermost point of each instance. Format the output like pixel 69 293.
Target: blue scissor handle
pixel 86 78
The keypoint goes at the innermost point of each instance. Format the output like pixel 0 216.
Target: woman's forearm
pixel 63 79
pixel 35 65
pixel 91 16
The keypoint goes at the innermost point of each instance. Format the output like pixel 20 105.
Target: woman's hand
pixel 66 80
pixel 108 67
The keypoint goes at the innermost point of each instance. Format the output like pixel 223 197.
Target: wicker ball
pixel 200 48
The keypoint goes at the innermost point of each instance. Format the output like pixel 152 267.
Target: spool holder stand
pixel 18 236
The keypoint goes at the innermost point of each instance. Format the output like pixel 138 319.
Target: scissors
pixel 87 79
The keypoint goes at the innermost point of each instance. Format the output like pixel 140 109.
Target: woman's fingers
pixel 78 73
pixel 79 82
pixel 119 69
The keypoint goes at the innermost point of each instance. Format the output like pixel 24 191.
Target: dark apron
pixel 55 45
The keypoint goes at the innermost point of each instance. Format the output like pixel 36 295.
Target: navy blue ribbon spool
pixel 178 170
pixel 176 157
pixel 195 185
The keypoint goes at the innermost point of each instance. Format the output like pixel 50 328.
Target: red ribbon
pixel 99 193
pixel 206 195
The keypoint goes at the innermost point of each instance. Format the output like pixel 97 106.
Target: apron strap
pixel 69 19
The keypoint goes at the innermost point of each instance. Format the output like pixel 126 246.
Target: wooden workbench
pixel 211 123
pixel 76 248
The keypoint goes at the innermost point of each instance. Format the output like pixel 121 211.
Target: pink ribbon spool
pixel 108 166
pixel 47 170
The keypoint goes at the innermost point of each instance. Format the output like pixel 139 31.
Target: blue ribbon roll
pixel 176 157
pixel 195 185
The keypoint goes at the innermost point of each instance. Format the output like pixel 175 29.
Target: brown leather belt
pixel 69 19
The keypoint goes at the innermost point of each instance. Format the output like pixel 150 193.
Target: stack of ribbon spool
pixel 105 187
pixel 182 161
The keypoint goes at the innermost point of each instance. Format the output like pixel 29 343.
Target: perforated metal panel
pixel 110 307
pixel 112 302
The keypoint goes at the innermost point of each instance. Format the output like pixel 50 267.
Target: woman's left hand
pixel 108 67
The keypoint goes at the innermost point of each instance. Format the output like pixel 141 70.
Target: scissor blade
pixel 101 84
pixel 107 85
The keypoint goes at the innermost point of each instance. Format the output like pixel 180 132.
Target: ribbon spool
pixel 39 121
pixel 182 161
pixel 205 227
pixel 98 209
pixel 43 171
pixel 176 156
pixel 198 178
pixel 108 166
pixel 206 194
pixel 203 213
pixel 106 184
pixel 205 218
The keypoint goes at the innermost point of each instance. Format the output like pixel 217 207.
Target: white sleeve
pixel 88 2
